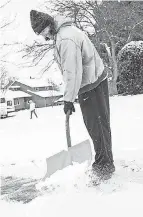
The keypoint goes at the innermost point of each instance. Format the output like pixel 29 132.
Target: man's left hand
pixel 68 106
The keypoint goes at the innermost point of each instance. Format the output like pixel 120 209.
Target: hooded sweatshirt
pixel 78 59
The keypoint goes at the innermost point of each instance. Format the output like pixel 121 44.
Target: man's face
pixel 46 33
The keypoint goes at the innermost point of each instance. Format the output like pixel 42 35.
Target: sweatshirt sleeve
pixel 71 65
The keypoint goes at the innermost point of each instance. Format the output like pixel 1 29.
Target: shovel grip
pixel 68 130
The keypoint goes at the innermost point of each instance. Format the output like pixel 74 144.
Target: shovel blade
pixel 78 153
pixel 57 162
pixel 81 152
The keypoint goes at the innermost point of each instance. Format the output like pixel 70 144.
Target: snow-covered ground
pixel 26 143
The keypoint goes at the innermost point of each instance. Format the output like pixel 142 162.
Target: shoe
pixel 108 168
pixel 94 175
pixel 107 171
pixel 97 169
pixel 103 171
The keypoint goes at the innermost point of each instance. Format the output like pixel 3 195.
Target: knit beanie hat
pixel 40 20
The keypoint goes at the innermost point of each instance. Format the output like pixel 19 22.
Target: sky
pixel 19 31
pixel 20 9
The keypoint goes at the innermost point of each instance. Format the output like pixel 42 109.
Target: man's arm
pixel 71 64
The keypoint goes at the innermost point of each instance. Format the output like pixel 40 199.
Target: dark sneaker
pixel 103 171
pixel 94 175
pixel 97 169
pixel 107 171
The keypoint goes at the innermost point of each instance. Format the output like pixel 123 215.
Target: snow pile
pixel 71 178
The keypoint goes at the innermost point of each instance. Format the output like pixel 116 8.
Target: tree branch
pixel 137 24
pixel 2 6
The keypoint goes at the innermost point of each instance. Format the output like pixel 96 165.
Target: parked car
pixel 3 107
pixel 6 106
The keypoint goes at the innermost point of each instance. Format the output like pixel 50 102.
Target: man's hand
pixel 68 106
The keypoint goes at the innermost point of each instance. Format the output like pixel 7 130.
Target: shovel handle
pixel 68 130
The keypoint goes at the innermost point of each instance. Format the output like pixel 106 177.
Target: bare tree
pixel 36 52
pixel 5 80
pixel 5 22
pixel 109 25
pixel 4 4
pixel 105 24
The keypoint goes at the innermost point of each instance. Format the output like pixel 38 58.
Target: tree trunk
pixel 113 64
pixel 115 69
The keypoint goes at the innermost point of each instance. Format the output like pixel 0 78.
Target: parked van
pixel 6 106
pixel 3 107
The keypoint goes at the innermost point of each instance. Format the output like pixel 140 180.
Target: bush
pixel 130 68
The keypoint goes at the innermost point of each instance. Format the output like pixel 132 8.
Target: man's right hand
pixel 69 106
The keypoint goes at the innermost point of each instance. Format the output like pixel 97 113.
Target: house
pixel 21 99
pixel 41 91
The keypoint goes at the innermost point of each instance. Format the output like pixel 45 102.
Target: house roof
pixel 35 82
pixel 48 93
pixel 60 99
pixel 16 94
pixel 14 86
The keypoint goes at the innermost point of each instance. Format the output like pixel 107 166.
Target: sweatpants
pixel 96 115
pixel 33 112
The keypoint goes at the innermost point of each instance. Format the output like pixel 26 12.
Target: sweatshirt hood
pixel 61 21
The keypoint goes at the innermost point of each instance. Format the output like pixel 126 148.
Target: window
pixel 2 100
pixel 9 103
pixel 16 102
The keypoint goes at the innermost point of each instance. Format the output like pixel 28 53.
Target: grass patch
pixel 18 189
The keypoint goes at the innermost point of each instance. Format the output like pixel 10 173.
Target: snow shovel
pixel 78 153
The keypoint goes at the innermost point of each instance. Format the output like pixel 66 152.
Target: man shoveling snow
pixel 84 75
